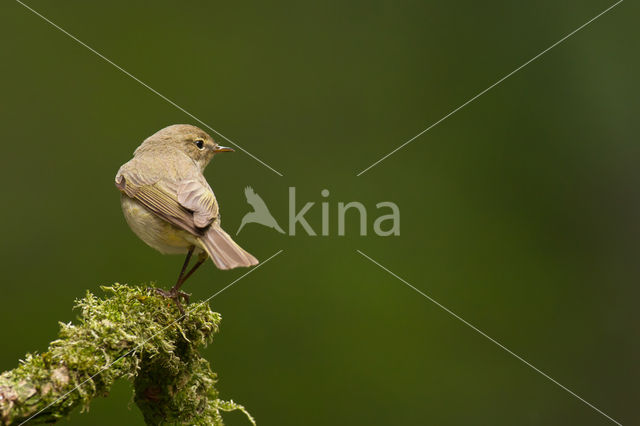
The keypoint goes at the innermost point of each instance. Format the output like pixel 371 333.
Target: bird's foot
pixel 175 295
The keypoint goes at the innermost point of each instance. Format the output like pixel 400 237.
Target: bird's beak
pixel 223 149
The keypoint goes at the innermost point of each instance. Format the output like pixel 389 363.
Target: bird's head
pixel 191 140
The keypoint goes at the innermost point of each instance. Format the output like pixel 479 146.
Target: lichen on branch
pixel 133 334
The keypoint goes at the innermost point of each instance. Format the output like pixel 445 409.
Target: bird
pixel 260 213
pixel 168 203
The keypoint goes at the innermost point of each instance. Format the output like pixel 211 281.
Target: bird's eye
pixel 199 143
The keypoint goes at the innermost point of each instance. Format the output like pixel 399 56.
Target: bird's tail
pixel 224 252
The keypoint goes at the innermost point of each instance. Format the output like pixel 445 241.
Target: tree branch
pixel 135 334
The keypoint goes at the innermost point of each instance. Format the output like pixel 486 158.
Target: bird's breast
pixel 155 231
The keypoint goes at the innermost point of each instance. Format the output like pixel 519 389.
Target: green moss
pixel 135 334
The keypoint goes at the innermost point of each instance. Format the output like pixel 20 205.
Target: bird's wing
pixel 187 205
pixel 255 200
pixel 197 196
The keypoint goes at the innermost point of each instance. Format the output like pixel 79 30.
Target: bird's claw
pixel 175 295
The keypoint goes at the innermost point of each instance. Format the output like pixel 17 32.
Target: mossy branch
pixel 134 334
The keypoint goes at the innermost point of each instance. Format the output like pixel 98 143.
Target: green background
pixel 520 212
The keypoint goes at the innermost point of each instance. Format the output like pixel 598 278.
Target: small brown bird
pixel 168 203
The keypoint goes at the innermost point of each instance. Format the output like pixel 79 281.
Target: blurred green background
pixel 520 212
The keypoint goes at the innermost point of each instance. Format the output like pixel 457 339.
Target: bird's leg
pixel 201 259
pixel 175 293
pixel 185 264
